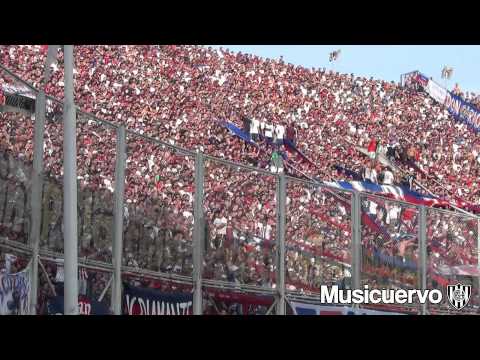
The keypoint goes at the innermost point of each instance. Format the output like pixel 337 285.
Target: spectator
pixel 176 94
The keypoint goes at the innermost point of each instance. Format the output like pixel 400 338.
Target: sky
pixel 385 62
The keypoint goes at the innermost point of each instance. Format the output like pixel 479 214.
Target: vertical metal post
pixel 70 189
pixel 121 157
pixel 36 195
pixel 478 249
pixel 356 208
pixel 281 210
pixel 198 232
pixel 422 245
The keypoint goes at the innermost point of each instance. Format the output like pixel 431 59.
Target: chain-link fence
pixel 318 237
pixel 158 208
pixel 390 246
pixel 452 248
pixel 15 177
pixel 254 245
pixel 240 225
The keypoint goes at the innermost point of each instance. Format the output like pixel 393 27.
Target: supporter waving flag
pixel 372 148
pixel 2 97
pixel 51 59
pixel 334 55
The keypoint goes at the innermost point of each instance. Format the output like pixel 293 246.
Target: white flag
pixel 51 59
pixel 334 55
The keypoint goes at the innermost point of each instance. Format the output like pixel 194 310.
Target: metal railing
pixel 193 218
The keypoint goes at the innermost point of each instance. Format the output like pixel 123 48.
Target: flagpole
pixel 70 189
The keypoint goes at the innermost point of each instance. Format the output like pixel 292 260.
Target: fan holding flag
pixel 447 74
pixel 334 55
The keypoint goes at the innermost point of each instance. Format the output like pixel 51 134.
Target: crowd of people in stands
pixel 182 95
pixel 168 92
pixel 471 97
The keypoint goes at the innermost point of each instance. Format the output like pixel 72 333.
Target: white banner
pixel 10 89
pixel 436 91
pixel 15 293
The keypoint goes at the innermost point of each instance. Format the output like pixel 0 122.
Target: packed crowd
pixel 181 94
pixel 186 88
pixel 317 239
pixel 471 97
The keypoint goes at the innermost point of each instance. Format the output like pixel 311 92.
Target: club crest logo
pixel 459 295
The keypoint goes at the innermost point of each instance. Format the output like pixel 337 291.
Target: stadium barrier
pixel 182 223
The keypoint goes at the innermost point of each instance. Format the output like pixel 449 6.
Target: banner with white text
pixel 143 301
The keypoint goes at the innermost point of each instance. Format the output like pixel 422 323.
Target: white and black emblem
pixel 458 295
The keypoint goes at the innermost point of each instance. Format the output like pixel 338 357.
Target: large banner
pixel 142 301
pixel 86 306
pixel 17 97
pixel 238 132
pixel 395 192
pixel 235 130
pixel 436 91
pixel 311 309
pixel 15 293
pixel 463 111
pixel 11 89
pixel 460 109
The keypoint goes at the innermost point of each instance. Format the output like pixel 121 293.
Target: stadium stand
pixel 217 102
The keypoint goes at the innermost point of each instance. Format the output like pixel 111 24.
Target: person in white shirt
pixel 388 176
pixel 393 213
pixel 371 174
pixel 221 225
pixel 268 131
pixel 279 133
pixel 254 129
pixel 265 230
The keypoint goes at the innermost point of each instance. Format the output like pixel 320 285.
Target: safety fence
pixel 239 239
